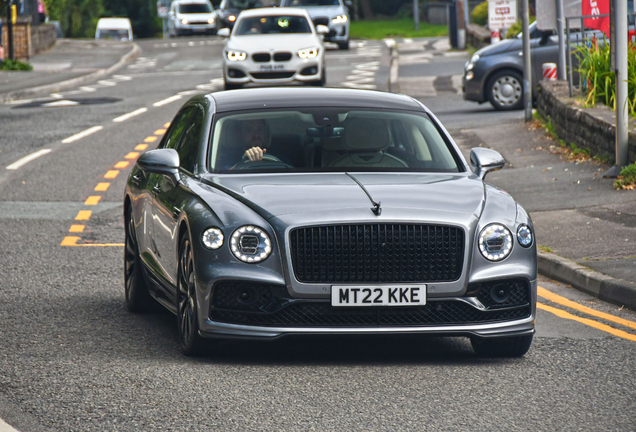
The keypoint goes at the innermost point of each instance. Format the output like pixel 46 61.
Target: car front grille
pixel 261 57
pixel 269 305
pixel 282 56
pixel 199 23
pixel 377 253
pixel 271 75
pixel 321 21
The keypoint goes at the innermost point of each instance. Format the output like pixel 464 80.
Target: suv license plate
pixel 402 295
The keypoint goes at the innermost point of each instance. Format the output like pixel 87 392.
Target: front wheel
pixel 514 346
pixel 187 306
pixel 505 90
pixel 137 296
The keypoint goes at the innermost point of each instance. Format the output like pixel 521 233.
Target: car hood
pixel 298 199
pixel 197 16
pixel 499 47
pixel 276 42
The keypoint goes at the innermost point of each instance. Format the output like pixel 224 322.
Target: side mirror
pixel 224 32
pixel 322 29
pixel 485 160
pixel 161 161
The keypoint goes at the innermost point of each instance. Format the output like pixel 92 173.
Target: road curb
pixel 617 291
pixel 56 87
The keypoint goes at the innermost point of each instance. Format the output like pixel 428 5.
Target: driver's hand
pixel 255 153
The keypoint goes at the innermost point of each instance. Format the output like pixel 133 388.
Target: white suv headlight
pixel 236 55
pixel 250 244
pixel 495 242
pixel 308 53
pixel 340 19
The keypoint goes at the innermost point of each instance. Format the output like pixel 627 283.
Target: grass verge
pixel 394 28
pixel 15 65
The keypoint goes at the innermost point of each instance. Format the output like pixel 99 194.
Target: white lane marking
pixel 56 96
pixel 122 77
pixel 166 101
pixel 130 115
pixel 87 89
pixel 189 92
pixel 389 42
pixel 20 101
pixel 18 164
pixel 61 103
pixel 407 40
pixel 107 83
pixel 442 45
pixel 4 427
pixel 206 87
pixel 81 135
pixel 456 81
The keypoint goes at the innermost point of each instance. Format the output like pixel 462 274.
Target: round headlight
pixel 474 58
pixel 184 21
pixel 250 244
pixel 231 18
pixel 212 238
pixel 524 236
pixel 495 242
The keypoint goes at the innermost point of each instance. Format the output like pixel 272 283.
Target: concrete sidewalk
pixel 587 226
pixel 69 64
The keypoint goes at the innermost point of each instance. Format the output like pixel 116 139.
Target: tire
pixel 505 90
pixel 192 343
pixel 343 45
pixel 515 346
pixel 138 298
pixel 322 81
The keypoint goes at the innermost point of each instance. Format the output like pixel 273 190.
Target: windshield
pixel 310 3
pixel 243 4
pixel 272 25
pixel 113 34
pixel 330 140
pixel 194 8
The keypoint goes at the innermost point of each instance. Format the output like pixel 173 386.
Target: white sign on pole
pixel 547 13
pixel 501 14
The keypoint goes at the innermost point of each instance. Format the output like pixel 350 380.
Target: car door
pixel 171 198
pixel 161 191
pixel 543 51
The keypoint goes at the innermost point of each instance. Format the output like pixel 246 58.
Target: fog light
pixel 247 296
pixel 499 293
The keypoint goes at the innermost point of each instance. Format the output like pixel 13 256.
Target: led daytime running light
pixel 236 56
pixel 308 53
pixel 495 242
pixel 340 19
pixel 212 238
pixel 250 244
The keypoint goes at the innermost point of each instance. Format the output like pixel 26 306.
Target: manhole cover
pixel 66 102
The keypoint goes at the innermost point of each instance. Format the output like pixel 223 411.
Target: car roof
pixel 298 97
pixel 273 11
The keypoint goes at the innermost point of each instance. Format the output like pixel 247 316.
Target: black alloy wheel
pixel 137 297
pixel 505 90
pixel 187 314
pixel 514 346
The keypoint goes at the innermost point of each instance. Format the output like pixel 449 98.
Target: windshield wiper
pixel 376 209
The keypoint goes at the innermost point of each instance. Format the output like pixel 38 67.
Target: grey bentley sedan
pixel 272 212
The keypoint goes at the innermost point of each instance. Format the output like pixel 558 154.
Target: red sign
pixel 597 7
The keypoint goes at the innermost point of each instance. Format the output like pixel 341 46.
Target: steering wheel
pixel 268 162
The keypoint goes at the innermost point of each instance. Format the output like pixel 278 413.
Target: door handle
pixel 156 189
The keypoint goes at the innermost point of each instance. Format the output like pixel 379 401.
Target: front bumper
pixel 276 315
pixel 296 69
pixel 337 33
pixel 196 28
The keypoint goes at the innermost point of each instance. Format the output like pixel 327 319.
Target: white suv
pixel 331 13
pixel 191 17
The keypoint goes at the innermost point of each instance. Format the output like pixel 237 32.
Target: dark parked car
pixel 229 10
pixel 289 211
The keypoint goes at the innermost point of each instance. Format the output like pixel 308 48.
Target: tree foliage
pixel 142 14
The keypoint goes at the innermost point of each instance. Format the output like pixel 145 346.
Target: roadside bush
pixel 628 180
pixel 479 15
pixel 15 65
pixel 599 80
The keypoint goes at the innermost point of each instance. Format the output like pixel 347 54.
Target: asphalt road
pixel 73 359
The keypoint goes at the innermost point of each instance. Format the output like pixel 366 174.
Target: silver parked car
pixel 272 212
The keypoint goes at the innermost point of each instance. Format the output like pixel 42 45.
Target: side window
pixel 191 144
pixel 177 129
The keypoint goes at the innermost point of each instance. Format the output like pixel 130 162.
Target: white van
pixel 114 28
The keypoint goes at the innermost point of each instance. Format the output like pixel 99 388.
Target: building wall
pixel 27 40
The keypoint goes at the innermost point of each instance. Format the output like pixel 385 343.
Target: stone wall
pixel 477 36
pixel 28 41
pixel 589 128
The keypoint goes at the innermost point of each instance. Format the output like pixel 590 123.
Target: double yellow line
pixel 84 215
pixel 554 298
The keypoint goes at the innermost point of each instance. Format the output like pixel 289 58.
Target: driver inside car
pixel 250 139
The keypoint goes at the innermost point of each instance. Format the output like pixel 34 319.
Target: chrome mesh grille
pixel 377 253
